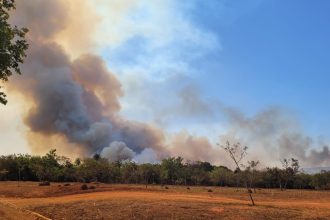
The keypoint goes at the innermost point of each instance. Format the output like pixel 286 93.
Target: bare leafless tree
pixel 237 153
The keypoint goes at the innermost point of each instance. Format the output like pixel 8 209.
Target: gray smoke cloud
pixel 197 148
pixel 117 151
pixel 271 134
pixel 148 155
pixel 274 134
pixel 77 100
pixel 85 111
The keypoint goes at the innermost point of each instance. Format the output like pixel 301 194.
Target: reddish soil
pixel 156 202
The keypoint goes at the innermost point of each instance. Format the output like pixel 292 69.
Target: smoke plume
pixel 71 102
pixel 117 151
pixel 76 101
pixel 272 135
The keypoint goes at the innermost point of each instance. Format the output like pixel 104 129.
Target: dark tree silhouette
pixel 290 169
pixel 12 45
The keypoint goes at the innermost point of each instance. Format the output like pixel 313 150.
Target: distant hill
pixel 313 170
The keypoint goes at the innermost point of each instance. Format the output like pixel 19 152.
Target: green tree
pixel 97 170
pixel 290 169
pixel 171 169
pixel 251 170
pixel 128 172
pixel 321 180
pixel 274 177
pixel 12 45
pixel 147 173
pixel 221 176
pixel 200 172
pixel 302 181
pixel 47 168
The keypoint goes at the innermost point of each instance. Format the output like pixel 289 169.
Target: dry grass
pixel 156 202
pixel 9 213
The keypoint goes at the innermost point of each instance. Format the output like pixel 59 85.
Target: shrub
pixel 67 184
pixel 84 187
pixel 166 187
pixel 188 188
pixel 210 190
pixel 92 187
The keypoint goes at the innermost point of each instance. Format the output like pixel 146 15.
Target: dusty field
pixel 156 202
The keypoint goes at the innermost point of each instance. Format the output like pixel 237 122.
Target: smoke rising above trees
pixel 72 100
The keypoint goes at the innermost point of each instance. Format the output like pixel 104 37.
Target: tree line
pixel 170 171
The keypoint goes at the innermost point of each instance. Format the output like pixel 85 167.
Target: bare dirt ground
pixel 155 202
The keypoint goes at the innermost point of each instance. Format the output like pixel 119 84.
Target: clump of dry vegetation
pixel 84 187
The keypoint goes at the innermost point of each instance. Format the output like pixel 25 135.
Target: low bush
pixel 84 187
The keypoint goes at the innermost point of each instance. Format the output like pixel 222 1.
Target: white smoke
pixel 117 151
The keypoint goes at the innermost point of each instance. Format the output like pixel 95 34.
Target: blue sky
pixel 276 54
pixel 254 54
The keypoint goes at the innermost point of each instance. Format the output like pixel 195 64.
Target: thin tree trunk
pixel 250 194
pixel 249 191
pixel 19 176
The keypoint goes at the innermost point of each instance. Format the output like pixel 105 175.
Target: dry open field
pixel 136 202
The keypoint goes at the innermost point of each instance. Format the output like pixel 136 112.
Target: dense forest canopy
pixel 172 170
